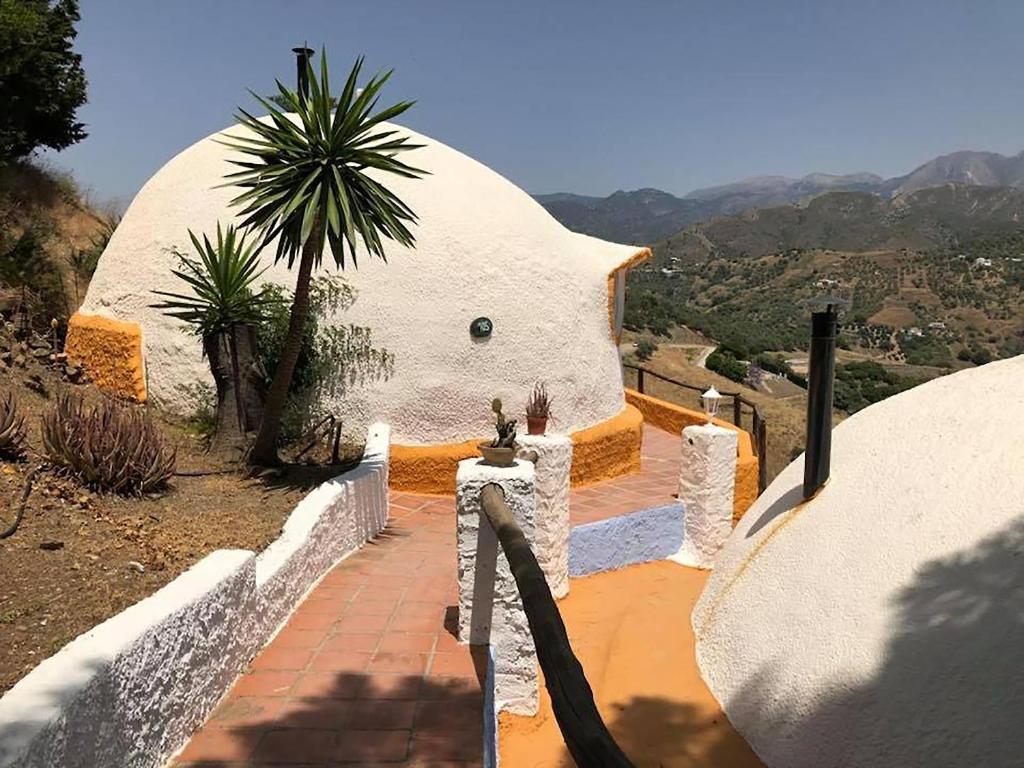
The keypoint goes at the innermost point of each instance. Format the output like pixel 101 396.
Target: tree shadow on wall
pixel 350 718
pixel 950 689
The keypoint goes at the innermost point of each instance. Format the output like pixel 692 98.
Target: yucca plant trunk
pixel 264 451
pixel 232 357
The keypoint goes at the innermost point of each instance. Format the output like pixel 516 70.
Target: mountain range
pixel 645 216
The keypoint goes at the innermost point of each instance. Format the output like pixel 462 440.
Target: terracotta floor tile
pixel 298 747
pixel 315 712
pixel 407 642
pixel 390 686
pixel 372 745
pixel 351 641
pixel 264 684
pixel 317 684
pixel 340 661
pixel 282 659
pixel 383 715
pixel 221 745
pixel 399 663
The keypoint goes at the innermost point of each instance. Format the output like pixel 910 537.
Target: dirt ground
pixel 79 557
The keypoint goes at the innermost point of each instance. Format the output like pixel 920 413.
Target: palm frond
pixel 222 280
pixel 306 176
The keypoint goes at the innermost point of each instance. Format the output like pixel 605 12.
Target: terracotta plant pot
pixel 497 457
pixel 536 425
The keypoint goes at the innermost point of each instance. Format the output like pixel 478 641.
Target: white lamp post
pixel 711 399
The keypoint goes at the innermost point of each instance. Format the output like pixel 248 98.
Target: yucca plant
pixel 110 447
pixel 224 309
pixel 12 428
pixel 306 184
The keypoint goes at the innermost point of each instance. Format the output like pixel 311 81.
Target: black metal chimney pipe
pixel 302 57
pixel 820 380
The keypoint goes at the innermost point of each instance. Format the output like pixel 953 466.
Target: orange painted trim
pixel 111 353
pixel 642 255
pixel 673 418
pixel 606 450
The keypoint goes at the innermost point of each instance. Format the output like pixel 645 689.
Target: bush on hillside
pixel 724 363
pixel 644 349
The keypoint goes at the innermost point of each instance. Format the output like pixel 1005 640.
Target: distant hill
pixel 987 169
pixel 934 217
pixel 645 216
pixel 937 275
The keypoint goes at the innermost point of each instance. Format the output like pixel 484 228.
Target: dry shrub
pixel 111 447
pixel 12 428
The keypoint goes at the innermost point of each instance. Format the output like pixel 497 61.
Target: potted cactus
pixel 500 452
pixel 538 409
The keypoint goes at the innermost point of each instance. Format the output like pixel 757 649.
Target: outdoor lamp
pixel 711 399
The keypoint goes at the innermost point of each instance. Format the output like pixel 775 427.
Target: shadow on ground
pixel 353 718
pixel 659 733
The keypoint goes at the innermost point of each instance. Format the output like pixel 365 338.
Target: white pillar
pixel 551 494
pixel 490 609
pixel 707 482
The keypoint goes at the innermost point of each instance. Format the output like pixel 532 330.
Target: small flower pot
pixel 536 425
pixel 497 457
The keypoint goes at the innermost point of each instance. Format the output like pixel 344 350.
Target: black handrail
pixel 583 730
pixel 759 427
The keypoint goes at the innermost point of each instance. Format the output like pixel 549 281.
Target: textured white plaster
pixel 332 521
pixel 880 623
pixel 482 244
pixel 707 484
pixel 551 498
pixel 130 691
pixel 490 609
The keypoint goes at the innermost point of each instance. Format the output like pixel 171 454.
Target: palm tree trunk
pixel 264 451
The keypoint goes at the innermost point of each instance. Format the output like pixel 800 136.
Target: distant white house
pixel 981 261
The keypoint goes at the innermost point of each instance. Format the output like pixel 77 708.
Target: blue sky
pixel 577 95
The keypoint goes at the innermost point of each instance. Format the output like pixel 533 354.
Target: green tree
pixel 644 349
pixel 306 184
pixel 224 310
pixel 41 77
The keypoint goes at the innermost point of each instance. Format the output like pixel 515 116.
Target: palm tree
pixel 224 310
pixel 307 185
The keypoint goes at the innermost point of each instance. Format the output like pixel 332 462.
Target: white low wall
pixel 130 691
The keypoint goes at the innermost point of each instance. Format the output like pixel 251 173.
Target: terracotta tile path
pixel 367 671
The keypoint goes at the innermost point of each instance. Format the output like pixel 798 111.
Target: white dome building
pixel 484 248
pixel 879 624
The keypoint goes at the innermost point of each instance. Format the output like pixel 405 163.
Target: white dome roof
pixel 484 248
pixel 880 624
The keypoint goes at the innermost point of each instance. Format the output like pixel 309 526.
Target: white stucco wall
pixel 880 624
pixel 131 691
pixel 484 248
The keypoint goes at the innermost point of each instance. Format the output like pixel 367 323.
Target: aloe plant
pixel 306 183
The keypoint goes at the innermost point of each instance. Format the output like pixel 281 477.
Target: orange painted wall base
pixel 672 418
pixel 601 452
pixel 110 351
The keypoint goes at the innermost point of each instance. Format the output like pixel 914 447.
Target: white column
pixel 490 609
pixel 551 494
pixel 707 482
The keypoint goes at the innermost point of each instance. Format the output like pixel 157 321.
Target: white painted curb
pixel 130 691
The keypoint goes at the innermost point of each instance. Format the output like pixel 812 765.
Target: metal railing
pixel 758 424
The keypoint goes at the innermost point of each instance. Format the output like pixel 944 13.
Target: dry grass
pixel 785 417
